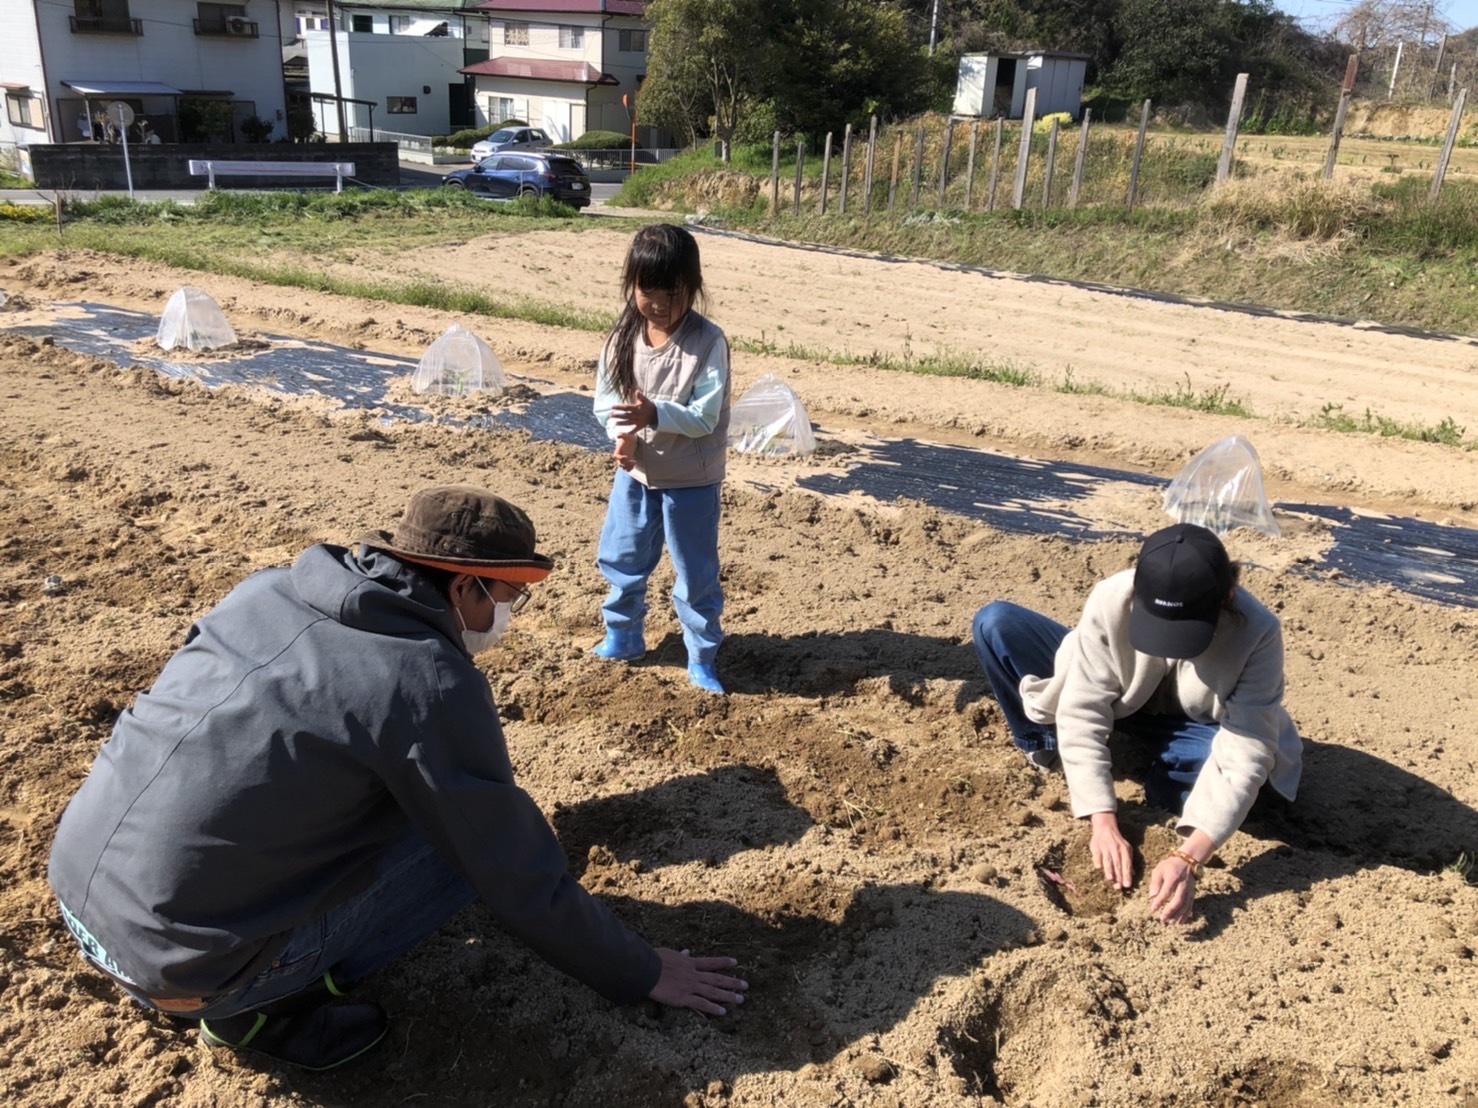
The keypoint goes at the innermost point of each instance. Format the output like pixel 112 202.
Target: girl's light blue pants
pixel 638 522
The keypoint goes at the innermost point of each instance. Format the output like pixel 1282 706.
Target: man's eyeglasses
pixel 521 601
pixel 518 603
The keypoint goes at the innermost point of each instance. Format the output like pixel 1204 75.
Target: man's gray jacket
pixel 307 718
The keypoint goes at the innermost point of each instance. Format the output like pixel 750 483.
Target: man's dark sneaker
pixel 320 1039
pixel 1045 760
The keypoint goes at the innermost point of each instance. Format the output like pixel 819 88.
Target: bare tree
pixel 1369 24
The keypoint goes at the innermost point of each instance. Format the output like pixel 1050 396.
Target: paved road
pixel 411 176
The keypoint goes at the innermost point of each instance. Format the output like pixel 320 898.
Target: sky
pixel 1462 14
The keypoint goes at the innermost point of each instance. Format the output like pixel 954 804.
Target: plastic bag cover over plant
pixel 770 419
pixel 1221 489
pixel 459 363
pixel 193 320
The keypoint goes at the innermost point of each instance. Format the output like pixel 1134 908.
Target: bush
pixel 23 213
pixel 464 140
pixel 599 140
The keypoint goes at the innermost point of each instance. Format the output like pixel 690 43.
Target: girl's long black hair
pixel 662 256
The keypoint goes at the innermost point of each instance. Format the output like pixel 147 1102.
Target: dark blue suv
pixel 526 173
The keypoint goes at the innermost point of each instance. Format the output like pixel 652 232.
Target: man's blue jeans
pixel 637 522
pixel 1014 642
pixel 414 894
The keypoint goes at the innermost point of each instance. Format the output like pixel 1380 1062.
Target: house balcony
pixel 105 25
pixel 231 27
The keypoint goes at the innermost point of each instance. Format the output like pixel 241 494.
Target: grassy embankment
pixel 1371 247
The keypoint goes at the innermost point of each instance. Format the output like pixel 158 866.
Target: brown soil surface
pixel 851 822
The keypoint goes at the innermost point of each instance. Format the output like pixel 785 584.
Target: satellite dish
pixel 120 113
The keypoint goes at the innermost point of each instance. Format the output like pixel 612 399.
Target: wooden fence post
pixel 1024 151
pixel 800 161
pixel 918 168
pixel 949 138
pixel 1352 67
pixel 775 178
pixel 1234 123
pixel 1437 69
pixel 1080 160
pixel 1144 123
pixel 1452 126
pixel 872 143
pixel 1051 165
pixel 970 168
pixel 825 172
pixel 846 169
pixel 995 164
pixel 893 181
pixel 1395 69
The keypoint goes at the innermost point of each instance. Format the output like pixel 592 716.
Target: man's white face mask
pixel 478 641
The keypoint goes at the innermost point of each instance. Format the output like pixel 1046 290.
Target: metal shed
pixel 993 85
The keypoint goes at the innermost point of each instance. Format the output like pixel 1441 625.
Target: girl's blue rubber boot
pixel 625 645
pixel 704 675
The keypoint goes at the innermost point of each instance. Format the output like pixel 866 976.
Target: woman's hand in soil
pixel 638 414
pixel 689 982
pixel 1172 890
pixel 1110 851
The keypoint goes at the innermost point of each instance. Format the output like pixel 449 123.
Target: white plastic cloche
pixel 770 419
pixel 458 363
pixel 1221 489
pixel 193 320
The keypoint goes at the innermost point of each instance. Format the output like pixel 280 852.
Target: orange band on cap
pixel 518 575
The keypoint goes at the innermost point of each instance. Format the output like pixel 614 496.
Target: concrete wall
pixel 88 166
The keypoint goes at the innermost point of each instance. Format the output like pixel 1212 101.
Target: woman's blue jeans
pixel 414 894
pixel 1014 642
pixel 638 521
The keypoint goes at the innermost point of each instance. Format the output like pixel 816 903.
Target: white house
pixel 993 85
pixel 184 68
pixel 568 66
pixel 399 62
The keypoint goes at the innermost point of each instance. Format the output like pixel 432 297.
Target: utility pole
pixel 333 49
pixel 933 28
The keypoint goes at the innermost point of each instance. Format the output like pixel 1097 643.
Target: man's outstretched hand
pixel 689 982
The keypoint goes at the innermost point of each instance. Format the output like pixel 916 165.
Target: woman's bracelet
pixel 1188 860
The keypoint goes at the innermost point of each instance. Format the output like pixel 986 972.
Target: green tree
pixel 724 44
pixel 1172 51
pixel 841 61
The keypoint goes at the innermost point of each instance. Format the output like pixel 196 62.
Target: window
pixel 105 15
pixel 572 38
pixel 515 34
pixel 500 107
pixel 400 24
pixel 632 42
pixel 400 105
pixel 362 24
pixel 22 109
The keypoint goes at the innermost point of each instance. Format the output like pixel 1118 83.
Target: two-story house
pixel 189 71
pixel 568 66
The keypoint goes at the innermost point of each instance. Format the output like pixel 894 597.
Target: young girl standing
pixel 662 394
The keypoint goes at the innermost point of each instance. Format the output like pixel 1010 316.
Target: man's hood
pixel 372 591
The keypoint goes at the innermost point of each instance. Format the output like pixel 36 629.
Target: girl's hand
pixel 1172 890
pixel 639 414
pixel 626 450
pixel 688 982
pixel 1110 850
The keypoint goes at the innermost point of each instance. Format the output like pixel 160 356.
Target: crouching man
pixel 317 781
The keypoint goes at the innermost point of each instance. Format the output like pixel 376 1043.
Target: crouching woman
pixel 1179 657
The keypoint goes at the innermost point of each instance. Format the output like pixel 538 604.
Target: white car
pixel 509 139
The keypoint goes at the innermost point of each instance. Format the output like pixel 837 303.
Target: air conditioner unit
pixel 238 25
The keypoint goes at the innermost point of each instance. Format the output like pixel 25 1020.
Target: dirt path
pixel 851 821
